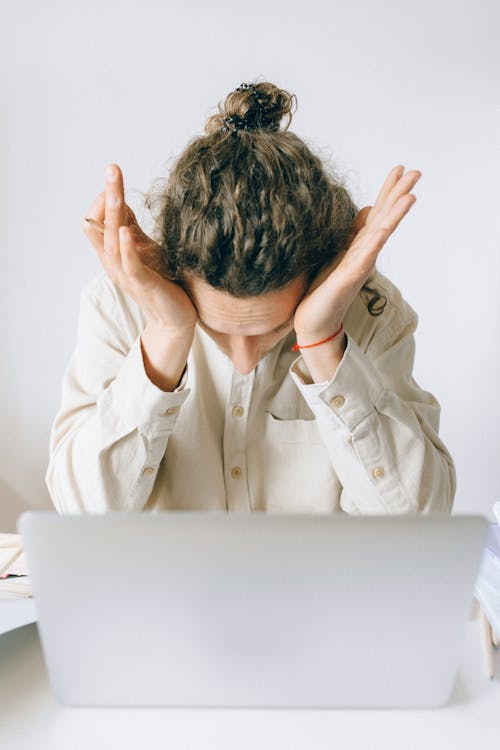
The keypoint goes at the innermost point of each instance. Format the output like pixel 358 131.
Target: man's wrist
pixel 323 360
pixel 165 355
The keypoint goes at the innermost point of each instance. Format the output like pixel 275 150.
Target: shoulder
pixel 114 307
pixel 375 332
pixel 102 291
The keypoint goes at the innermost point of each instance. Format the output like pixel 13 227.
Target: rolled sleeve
pixel 139 402
pixel 111 431
pixel 381 429
pixel 350 395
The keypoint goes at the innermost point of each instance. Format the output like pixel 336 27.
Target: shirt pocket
pixel 292 430
pixel 296 471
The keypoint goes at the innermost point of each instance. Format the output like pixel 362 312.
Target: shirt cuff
pixel 140 402
pixel 350 395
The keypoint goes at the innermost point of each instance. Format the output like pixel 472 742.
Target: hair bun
pixel 251 107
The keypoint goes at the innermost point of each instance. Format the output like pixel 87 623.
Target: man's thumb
pixel 359 222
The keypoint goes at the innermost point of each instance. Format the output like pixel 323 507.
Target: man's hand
pixel 132 260
pixel 323 308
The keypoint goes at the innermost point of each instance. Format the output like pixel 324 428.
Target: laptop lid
pixel 210 609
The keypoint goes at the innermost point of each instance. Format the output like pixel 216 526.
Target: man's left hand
pixel 322 310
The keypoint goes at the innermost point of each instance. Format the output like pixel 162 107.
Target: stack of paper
pixel 12 559
pixel 16 586
pixel 14 579
pixel 487 589
pixel 17 607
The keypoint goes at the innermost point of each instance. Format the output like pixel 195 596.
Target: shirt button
pixel 337 401
pixel 172 410
pixel 238 411
pixel 378 472
pixel 236 472
pixel 148 470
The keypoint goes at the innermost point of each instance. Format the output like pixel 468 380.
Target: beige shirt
pixel 365 442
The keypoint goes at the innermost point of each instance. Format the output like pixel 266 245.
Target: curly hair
pixel 248 207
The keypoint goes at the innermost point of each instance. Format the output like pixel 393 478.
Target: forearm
pixel 384 445
pixel 401 465
pixel 97 470
pixel 105 450
pixel 165 355
pixel 322 361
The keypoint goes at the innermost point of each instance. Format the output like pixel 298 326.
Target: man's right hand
pixel 129 258
pixel 123 252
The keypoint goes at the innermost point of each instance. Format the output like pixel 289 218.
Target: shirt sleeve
pixel 112 428
pixel 381 429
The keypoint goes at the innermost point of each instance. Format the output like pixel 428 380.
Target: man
pixel 183 396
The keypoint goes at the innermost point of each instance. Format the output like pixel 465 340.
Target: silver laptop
pixel 208 609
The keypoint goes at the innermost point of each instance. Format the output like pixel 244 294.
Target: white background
pixel 378 83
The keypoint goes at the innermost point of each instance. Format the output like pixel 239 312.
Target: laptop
pixel 208 609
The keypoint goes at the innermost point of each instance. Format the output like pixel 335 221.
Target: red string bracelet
pixel 296 347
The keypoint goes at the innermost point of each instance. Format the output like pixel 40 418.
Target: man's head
pixel 245 328
pixel 251 208
pixel 249 218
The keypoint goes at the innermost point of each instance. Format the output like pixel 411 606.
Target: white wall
pixel 378 83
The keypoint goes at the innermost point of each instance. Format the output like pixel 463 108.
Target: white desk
pixel 31 718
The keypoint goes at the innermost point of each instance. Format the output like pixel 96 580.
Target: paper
pixel 12 559
pixel 16 586
pixel 487 586
pixel 17 606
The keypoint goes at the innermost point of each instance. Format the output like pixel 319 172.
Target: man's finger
pixel 96 213
pixel 131 263
pixel 96 210
pixel 115 213
pixel 403 187
pixel 95 225
pixel 396 213
pixel 359 222
pixel 370 242
pixel 94 218
pixel 131 217
pixel 390 181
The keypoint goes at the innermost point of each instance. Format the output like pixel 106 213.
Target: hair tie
pixel 234 123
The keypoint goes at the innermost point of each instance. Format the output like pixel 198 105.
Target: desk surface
pixel 31 718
